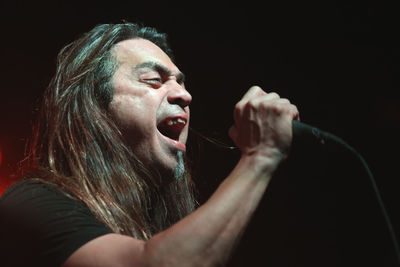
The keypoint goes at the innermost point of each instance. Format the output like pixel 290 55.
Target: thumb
pixel 233 134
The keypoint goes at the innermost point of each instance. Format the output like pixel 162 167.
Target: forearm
pixel 208 235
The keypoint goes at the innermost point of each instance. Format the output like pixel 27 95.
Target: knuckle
pixel 282 108
pixel 284 101
pixel 256 88
pixel 279 108
pixel 253 104
pixel 274 95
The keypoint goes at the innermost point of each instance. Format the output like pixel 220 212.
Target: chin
pixel 172 169
pixel 179 169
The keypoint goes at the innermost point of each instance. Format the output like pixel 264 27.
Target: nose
pixel 178 95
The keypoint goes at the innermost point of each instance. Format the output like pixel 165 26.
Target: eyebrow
pixel 163 70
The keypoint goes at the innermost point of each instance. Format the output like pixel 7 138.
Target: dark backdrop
pixel 338 62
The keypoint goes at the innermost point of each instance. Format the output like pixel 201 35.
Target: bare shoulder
pixel 108 250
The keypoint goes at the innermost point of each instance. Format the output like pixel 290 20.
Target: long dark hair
pixel 77 146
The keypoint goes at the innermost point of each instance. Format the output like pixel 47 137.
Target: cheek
pixel 134 117
pixel 125 110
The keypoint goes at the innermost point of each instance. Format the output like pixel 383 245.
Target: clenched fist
pixel 263 126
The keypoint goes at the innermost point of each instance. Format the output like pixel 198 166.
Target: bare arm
pixel 206 237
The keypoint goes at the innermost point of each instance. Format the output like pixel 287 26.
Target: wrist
pixel 265 163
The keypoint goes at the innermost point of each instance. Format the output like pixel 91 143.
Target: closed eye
pixel 155 82
pixel 155 68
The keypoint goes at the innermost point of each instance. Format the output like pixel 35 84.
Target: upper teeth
pixel 175 121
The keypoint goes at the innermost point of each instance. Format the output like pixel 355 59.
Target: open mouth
pixel 172 127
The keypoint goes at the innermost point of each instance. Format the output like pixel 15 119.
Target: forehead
pixel 136 51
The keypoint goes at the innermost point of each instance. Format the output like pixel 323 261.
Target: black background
pixel 339 62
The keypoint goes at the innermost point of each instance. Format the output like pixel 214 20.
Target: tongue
pixel 172 131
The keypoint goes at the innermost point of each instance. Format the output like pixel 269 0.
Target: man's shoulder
pixel 25 189
pixel 46 221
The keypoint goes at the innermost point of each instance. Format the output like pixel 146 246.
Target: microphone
pixel 303 132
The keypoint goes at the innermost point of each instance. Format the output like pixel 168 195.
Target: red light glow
pixel 3 183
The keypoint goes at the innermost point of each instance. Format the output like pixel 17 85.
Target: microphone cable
pixel 302 129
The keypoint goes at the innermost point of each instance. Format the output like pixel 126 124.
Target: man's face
pixel 151 104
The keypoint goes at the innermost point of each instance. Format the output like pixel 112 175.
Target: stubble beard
pixel 180 167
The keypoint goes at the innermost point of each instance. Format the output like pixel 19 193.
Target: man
pixel 109 184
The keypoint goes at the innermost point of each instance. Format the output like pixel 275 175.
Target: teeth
pixel 175 121
pixel 181 121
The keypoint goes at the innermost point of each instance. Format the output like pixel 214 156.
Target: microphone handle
pixel 303 131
